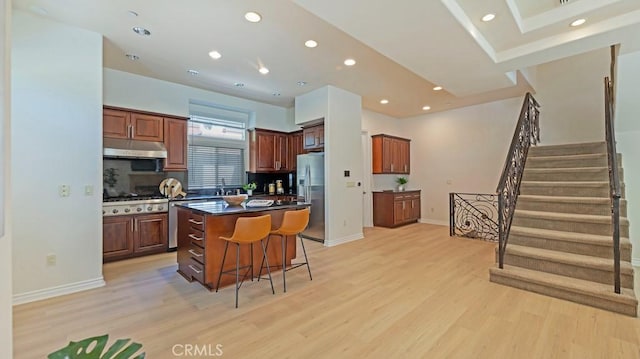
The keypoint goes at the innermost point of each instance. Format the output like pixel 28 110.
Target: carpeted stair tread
pixel 585 147
pixel 568 236
pixel 568 258
pixel 566 183
pixel 604 291
pixel 582 156
pixel 588 218
pixel 566 199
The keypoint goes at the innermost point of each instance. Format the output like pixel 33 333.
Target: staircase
pixel 560 241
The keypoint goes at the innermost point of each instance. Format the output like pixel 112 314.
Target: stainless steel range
pixel 122 206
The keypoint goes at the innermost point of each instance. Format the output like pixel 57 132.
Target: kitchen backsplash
pixel 262 181
pixel 128 176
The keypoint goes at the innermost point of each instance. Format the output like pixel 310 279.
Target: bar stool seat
pixel 248 230
pixel 293 223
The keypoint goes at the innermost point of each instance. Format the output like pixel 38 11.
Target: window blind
pixel 216 146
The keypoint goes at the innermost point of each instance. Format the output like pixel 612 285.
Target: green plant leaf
pixel 80 350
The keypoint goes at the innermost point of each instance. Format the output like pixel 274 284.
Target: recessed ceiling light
pixel 263 70
pixel 437 88
pixel 426 108
pixel 310 43
pixel 578 22
pixel 302 83
pixel 132 13
pixel 488 17
pixel 238 84
pixel 384 101
pixel 141 31
pixel 349 62
pixel 132 57
pixel 215 55
pixel 193 72
pixel 252 16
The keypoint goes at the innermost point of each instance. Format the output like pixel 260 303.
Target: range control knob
pixel 103 212
pixel 114 211
pixel 160 208
pixel 149 208
pixel 139 209
pixel 127 210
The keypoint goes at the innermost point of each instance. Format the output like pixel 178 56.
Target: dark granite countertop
pixel 220 208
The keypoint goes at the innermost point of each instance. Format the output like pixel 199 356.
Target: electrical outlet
pixel 88 190
pixel 51 259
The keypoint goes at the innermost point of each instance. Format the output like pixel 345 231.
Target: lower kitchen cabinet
pixel 393 209
pixel 133 236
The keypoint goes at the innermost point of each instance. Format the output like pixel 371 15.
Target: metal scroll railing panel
pixel 527 132
pixel 473 215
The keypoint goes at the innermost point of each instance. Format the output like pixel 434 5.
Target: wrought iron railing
pixel 473 215
pixel 527 133
pixel 614 177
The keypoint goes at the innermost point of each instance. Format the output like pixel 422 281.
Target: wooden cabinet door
pixel 403 156
pixel 115 123
pixel 175 139
pixel 399 208
pixel 147 127
pixel 313 137
pixel 117 237
pixel 282 152
pixel 150 233
pixel 295 148
pixel 310 138
pixel 415 209
pixel 387 155
pixel 265 151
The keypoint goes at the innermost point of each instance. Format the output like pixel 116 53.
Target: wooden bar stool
pixel 248 230
pixel 293 223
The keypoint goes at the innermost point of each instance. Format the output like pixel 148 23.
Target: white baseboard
pixel 635 262
pixel 343 240
pixel 434 221
pixel 46 293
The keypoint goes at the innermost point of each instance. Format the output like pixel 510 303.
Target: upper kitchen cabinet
pixel 119 123
pixel 268 151
pixel 391 155
pixel 313 138
pixel 175 140
pixel 296 147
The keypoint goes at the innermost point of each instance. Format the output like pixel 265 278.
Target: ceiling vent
pixel 562 2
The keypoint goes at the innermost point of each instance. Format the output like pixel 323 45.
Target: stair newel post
pixel 501 234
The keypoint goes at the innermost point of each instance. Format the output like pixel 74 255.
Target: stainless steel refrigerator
pixel 310 179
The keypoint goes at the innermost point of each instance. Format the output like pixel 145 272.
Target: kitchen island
pixel 200 249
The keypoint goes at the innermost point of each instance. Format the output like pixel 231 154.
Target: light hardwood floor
pixel 411 292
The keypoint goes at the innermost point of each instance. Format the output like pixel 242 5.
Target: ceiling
pixel 403 49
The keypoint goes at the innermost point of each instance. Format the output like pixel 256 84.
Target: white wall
pixel 571 91
pixel 343 151
pixel 376 123
pixel 56 138
pixel 628 140
pixel 128 90
pixel 312 106
pixel 6 342
pixel 461 150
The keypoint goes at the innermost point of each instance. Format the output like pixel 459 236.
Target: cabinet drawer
pixel 196 237
pixel 196 270
pixel 196 221
pixel 197 253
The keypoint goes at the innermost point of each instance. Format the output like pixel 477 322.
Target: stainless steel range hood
pixel 114 147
